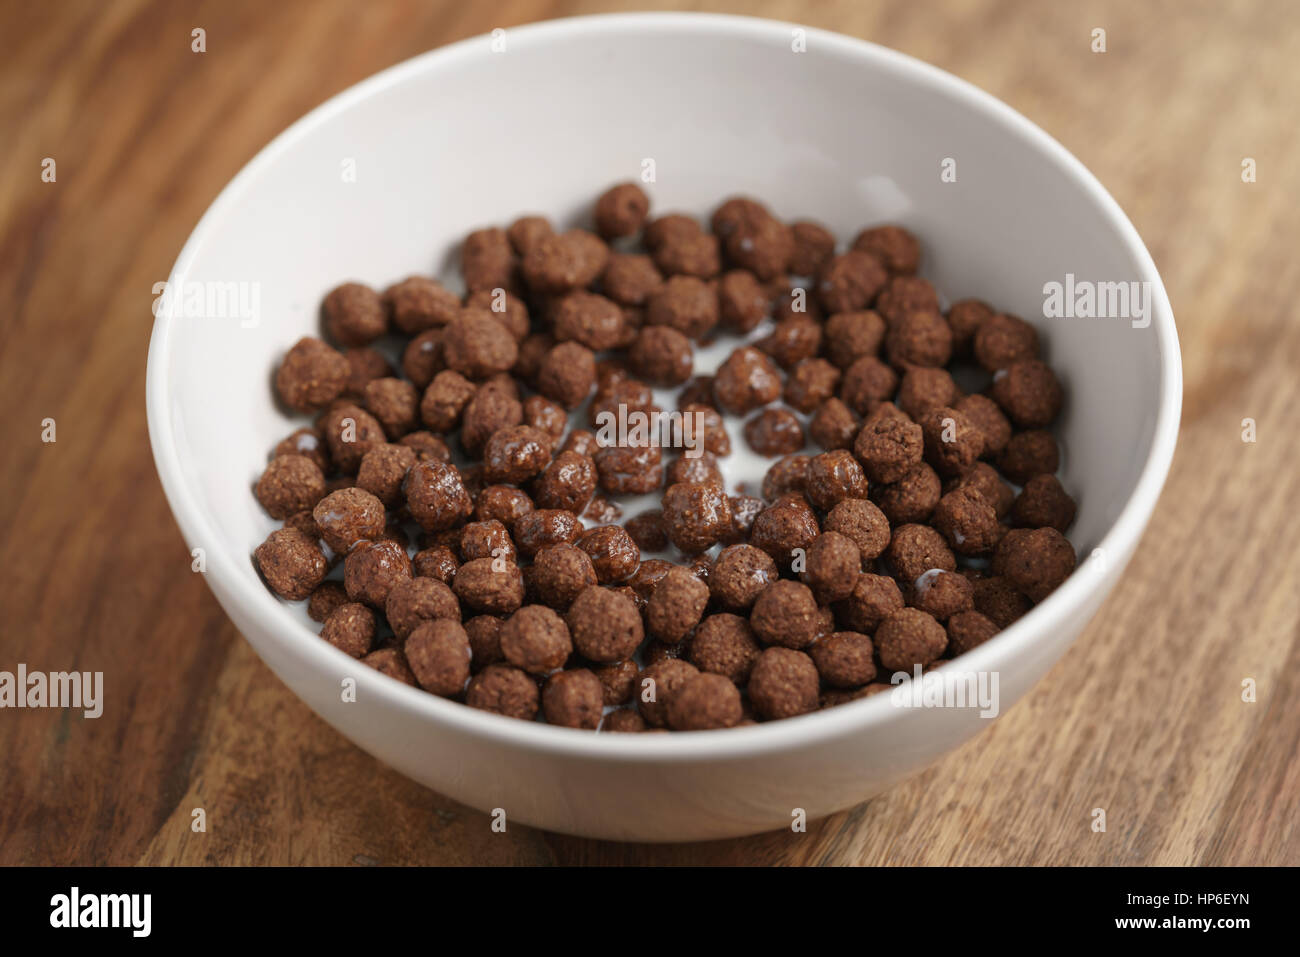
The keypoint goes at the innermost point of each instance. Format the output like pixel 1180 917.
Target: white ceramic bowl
pixel 845 132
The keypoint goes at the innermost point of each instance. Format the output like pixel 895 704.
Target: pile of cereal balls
pixel 484 557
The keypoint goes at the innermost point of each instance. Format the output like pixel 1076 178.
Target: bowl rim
pixel 733 743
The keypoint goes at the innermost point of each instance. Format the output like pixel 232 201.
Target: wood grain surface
pixel 1143 717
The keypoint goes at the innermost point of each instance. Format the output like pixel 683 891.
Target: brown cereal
pixel 850 281
pixel 984 479
pixel 1035 560
pixel 567 483
pixel 560 573
pixel 438 562
pixel 647 530
pixel 391 662
pixel 794 339
pixel 923 388
pixel 292 564
pixel 484 633
pixel 365 365
pixel 997 599
pixel 527 230
pixel 908 638
pixel 852 335
pixel 546 416
pixel 560 263
pixel 834 477
pixel 833 425
pixel 863 523
pixel 351 629
pixel 325 597
pixel 919 338
pixel 630 471
pixel 350 431
pixel 676 605
pixel 349 516
pixel 492 408
pixel 845 659
pixel 967 521
pixel 605 624
pixel 952 441
pixel 699 469
pixel 774 431
pixel 621 210
pixel 1028 393
pixel 588 318
pixel 784 683
pixel 704 702
pixel 438 653
pixel 874 598
pixel 912 498
pixel 656 686
pixel 623 721
pixel 914 550
pixel 567 374
pixel 613 553
pixel 503 503
pixel 477 344
pixel 867 383
pixel 536 640
pixel 1001 340
pixel 445 400
pixel 740 575
pixel 419 303
pixel 786 524
pixel 786 613
pixel 1043 503
pixel 311 375
pixel 373 569
pixel 631 278
pixel 354 314
pixel 422 357
pixel 702 425
pixel 964 318
pixel 505 690
pixel 515 454
pixel 743 301
pixel 985 415
pixel 662 356
pixel 290 484
pixel 426 446
pixel 487 260
pixel 746 380
pixel 541 527
pixel 436 496
pixel 889 448
pixel 489 585
pixel 811 383
pixel 942 594
pixel 813 246
pixel 831 567
pixel 383 471
pixel 617 680
pixel 686 304
pixel 574 699
pixel 1028 454
pixel 306 442
pixel 893 245
pixel 969 629
pixel 904 295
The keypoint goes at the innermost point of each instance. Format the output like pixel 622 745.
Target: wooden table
pixel 1143 717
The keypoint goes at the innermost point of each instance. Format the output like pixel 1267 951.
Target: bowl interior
pixel 383 182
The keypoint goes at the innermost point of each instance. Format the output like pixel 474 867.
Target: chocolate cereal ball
pixel 394 403
pixel 502 503
pixel 351 629
pixel 997 599
pixel 964 318
pixel 662 356
pixel 621 210
pixel 560 573
pixel 904 295
pixel 912 498
pixel 811 383
pixel 969 629
pixel 413 601
pixel 487 260
pixel 422 357
pixel 325 597
pixel 1043 503
pixel 541 527
pixel 784 683
pixel 874 598
pixel 567 374
pixel 889 448
pixel 419 303
pixel 914 550
pixel 984 479
pixel 515 454
pixel 383 472
pixel 311 375
pixel 908 638
pixel 373 569
pixel 705 702
pixel 426 445
pixel 527 230
pixel 831 566
pixel 967 521
pixel 631 278
pixel 573 699
pixel 1028 454
pixel 740 575
pixel 743 302
pixel 365 365
pixel 747 380
pixel 919 338
pixel 952 441
pixel 436 496
pixel 354 314
pixel 850 281
pixel 1035 560
pixel 349 516
pixel 786 524
pixel 306 442
pixel 536 639
pixel 439 654
pixel 392 663
pixel 605 624
pixel 623 721
pixel 476 344
pixel 292 564
pixel 1001 340
pixel 588 318
pixel 845 659
pixel 892 245
pixel 867 383
pixel 630 471
pixel 834 477
pixel 813 246
pixel 445 400
pixel 657 685
pixel 923 388
pixel 696 516
pixel 833 425
pixel 852 335
pixel 290 484
pixel 489 585
pixel 617 680
pixel 684 303
pixel 774 432
pixel 724 644
pixel 1028 392
pixel 504 689
pixel 613 553
pixel 484 633
pixel 350 432
pixel 676 605
pixel 862 523
pixel 786 614
pixel 942 594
